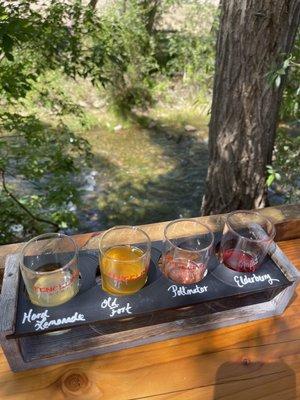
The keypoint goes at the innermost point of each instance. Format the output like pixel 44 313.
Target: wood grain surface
pixel 254 361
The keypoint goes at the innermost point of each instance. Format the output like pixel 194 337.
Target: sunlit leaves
pixel 45 160
pixel 272 175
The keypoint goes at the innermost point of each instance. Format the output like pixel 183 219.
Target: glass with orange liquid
pixel 124 259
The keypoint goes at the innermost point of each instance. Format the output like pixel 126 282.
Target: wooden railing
pixel 286 219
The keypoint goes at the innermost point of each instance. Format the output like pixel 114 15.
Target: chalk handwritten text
pixel 114 307
pixel 41 320
pixel 184 291
pixel 244 280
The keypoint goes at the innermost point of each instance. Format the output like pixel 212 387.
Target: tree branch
pixel 37 186
pixel 34 217
pixel 9 136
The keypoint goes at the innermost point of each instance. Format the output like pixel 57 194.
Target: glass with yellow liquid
pixel 49 269
pixel 125 259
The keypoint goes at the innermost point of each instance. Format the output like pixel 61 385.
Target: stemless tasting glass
pixel 49 268
pixel 125 259
pixel 246 239
pixel 188 245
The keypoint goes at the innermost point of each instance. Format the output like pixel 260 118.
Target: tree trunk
pixel 93 4
pixel 252 38
pixel 151 8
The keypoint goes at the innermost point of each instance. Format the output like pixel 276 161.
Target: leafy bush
pixel 34 38
pixel 284 173
pixel 127 55
pixel 290 108
pixel 135 58
pixel 290 70
pixel 45 160
pixel 189 51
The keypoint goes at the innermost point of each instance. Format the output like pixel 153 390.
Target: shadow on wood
pixel 255 379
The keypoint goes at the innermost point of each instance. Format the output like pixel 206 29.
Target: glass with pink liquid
pixel 246 240
pixel 188 245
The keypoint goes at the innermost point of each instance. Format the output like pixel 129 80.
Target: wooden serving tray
pixel 95 322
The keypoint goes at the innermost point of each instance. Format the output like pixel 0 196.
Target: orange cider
pixel 124 270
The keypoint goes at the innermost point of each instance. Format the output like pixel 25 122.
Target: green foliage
pixel 290 108
pixel 133 59
pixel 284 172
pixel 10 216
pixel 34 38
pixel 45 160
pixel 126 57
pixel 120 50
pixel 290 70
pixel 190 50
pixel 272 175
pixel 285 167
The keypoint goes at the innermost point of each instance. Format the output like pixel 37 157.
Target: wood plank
pixel 276 381
pixel 291 249
pixel 258 360
pixel 249 354
pixel 287 230
pixel 8 295
pixel 8 305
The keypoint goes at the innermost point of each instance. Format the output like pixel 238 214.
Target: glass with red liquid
pixel 188 245
pixel 246 240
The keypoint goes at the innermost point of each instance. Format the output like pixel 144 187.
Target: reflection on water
pixel 150 186
pixel 146 173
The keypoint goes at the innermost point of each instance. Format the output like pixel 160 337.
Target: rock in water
pixel 118 128
pixel 190 128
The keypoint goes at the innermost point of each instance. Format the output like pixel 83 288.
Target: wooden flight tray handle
pixel 93 305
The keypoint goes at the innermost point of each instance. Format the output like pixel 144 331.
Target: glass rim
pixel 132 228
pixel 209 231
pixel 250 212
pixel 49 236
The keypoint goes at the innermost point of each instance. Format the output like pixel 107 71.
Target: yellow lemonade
pixel 53 289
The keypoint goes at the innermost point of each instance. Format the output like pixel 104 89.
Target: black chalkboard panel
pixel 222 288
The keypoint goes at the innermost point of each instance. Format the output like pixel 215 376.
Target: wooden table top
pixel 253 361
